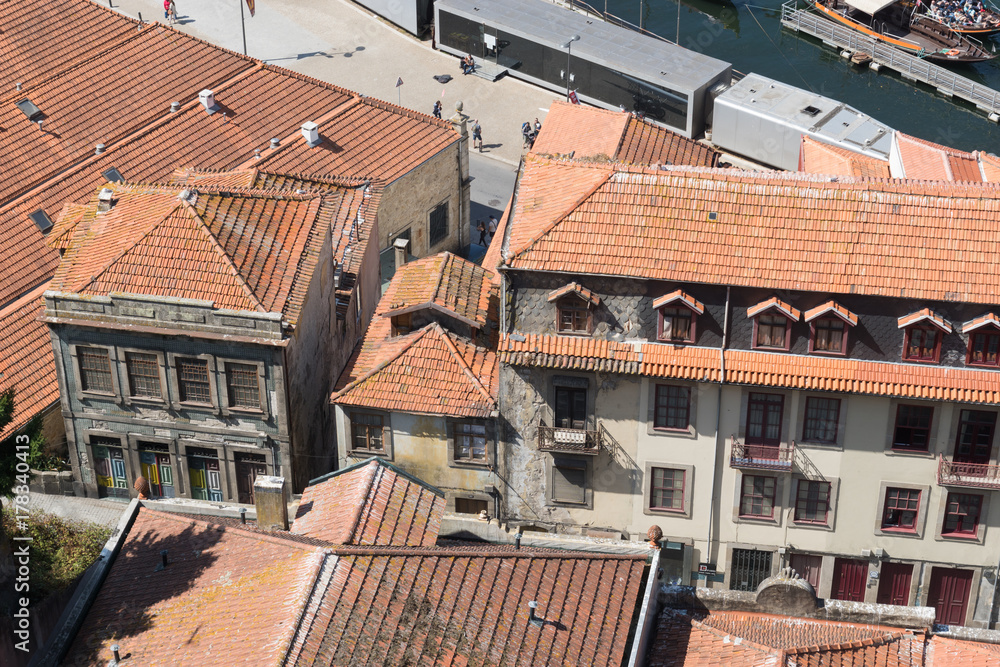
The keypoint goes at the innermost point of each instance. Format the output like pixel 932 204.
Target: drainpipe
pixel 720 441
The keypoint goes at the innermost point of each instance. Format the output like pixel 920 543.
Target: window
pixel 772 331
pixel 975 436
pixel 438 223
pixel 822 415
pixel 95 370
pixel 192 381
pixel 829 335
pixel 470 442
pixel 471 506
pixel 143 375
pixel 574 315
pixel 913 428
pixel 757 497
pixel 666 490
pixel 677 324
pixel 922 344
pixel 984 347
pixel 571 407
pixel 764 413
pixel 569 481
pixel 672 407
pixel 812 502
pixel 900 511
pixel 366 432
pixel 243 386
pixel 961 515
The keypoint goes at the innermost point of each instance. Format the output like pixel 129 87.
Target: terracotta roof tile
pixel 989 319
pixel 924 315
pixel 682 297
pixel 831 307
pixel 776 304
pixel 816 157
pixel 569 352
pixel 26 361
pixel 925 160
pixel 370 504
pixel 948 652
pixel 989 166
pixel 577 289
pixel 444 282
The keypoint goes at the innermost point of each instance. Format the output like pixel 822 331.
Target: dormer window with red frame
pixel 984 340
pixel 678 317
pixel 574 308
pixel 828 326
pixel 923 331
pixel 772 324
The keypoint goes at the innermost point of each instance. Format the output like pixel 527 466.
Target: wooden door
pixel 147 465
pixel 894 583
pixel 849 578
pixel 166 472
pixel 247 470
pixel 975 437
pixel 763 432
pixel 949 594
pixel 808 567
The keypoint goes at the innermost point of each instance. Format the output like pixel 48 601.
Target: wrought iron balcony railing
pixel 975 475
pixel 568 440
pixel 761 457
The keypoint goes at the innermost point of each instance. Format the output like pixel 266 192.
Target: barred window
pixel 470 442
pixel 244 389
pixel 192 380
pixel 95 369
pixel 143 375
pixel 366 432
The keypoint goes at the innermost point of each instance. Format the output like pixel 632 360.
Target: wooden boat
pixel 986 22
pixel 893 23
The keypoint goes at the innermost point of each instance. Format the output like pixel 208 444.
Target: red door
pixel 807 567
pixel 248 466
pixel 894 583
pixel 849 577
pixel 949 594
pixel 975 437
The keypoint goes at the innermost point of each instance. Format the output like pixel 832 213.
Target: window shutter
pixel 569 483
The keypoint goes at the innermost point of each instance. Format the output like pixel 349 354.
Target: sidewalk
pixel 341 43
pixel 89 510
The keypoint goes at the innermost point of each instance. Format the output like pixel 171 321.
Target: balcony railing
pixel 568 440
pixel 976 475
pixel 761 457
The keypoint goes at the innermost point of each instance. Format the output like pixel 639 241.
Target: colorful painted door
pixel 205 481
pixel 849 578
pixel 807 567
pixel 894 583
pixel 166 473
pixel 148 469
pixel 949 594
pixel 109 464
pixel 247 469
pixel 214 481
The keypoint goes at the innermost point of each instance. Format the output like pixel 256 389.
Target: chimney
pixel 271 499
pixel 175 107
pixel 207 99
pixel 310 131
pixel 517 541
pixel 243 515
pixel 98 149
pixel 105 200
pixel 532 606
pixel 275 143
pixel 400 246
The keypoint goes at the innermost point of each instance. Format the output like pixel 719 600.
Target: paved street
pixel 91 510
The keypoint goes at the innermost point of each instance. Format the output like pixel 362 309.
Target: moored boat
pixel 966 17
pixel 895 24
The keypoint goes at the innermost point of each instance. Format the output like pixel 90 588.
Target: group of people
pixel 468 65
pixel 529 132
pixel 486 232
pixel 962 13
pixel 170 11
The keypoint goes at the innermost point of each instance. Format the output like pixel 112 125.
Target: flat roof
pixel 647 58
pixel 834 122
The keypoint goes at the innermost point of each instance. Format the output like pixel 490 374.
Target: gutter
pixel 720 441
pixel 645 629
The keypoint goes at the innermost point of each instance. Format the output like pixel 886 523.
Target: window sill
pixel 983 366
pixel 960 537
pixel 826 353
pixel 475 465
pixel 666 430
pixel 809 525
pixel 671 341
pixel 366 453
pixel 829 446
pixel 246 411
pixel 569 503
pixel 87 393
pixel 662 511
pixel 189 405
pixel 763 520
pixel 146 399
pixel 574 333
pixel 899 532
pixel 920 361
pixel 761 348
pixel 904 451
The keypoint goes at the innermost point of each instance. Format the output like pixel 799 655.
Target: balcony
pixel 761 457
pixel 568 440
pixel 975 475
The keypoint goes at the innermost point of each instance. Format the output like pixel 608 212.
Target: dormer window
pixel 678 317
pixel 923 331
pixel 984 340
pixel 828 326
pixel 574 308
pixel 772 329
pixel 402 324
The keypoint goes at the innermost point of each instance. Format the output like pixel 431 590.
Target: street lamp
pixel 569 50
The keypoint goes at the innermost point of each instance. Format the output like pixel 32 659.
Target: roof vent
pixel 207 99
pixel 310 131
pixel 175 107
pixel 98 149
pixel 105 200
pixel 713 216
pixel 256 154
pixel 275 143
pixel 41 220
pixel 29 109
pixel 187 195
pixel 112 175
pixel 811 111
pixel 17 86
pixel 532 618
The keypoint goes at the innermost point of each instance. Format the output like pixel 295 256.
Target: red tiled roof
pixel 816 157
pixel 989 166
pixel 831 307
pixel 948 652
pixel 26 361
pixel 773 230
pixel 443 282
pixel 924 315
pixel 577 289
pixel 440 607
pixel 776 304
pixel 227 595
pixel 645 142
pixel 683 297
pixel 370 504
pixel 925 160
pixel 989 319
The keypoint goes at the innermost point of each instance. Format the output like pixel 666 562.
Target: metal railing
pixel 886 55
pixel 761 457
pixel 976 475
pixel 568 440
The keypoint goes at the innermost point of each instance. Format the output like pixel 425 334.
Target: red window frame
pixel 677 311
pixel 662 413
pixel 961 509
pixel 579 313
pixel 760 326
pixel 984 348
pixel 922 353
pixel 811 497
pixel 660 491
pixel 824 324
pixel 901 509
pixel 767 404
pixel 757 493
pixel 909 423
pixel 832 415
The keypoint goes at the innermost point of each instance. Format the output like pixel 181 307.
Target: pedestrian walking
pixel 166 9
pixel 481 228
pixel 477 135
pixel 525 133
pixel 171 11
pixel 437 109
pixel 492 229
pixel 538 126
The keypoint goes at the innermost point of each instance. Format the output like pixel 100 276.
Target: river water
pixel 750 37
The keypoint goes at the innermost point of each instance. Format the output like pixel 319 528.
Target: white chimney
pixel 207 99
pixel 271 499
pixel 310 131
